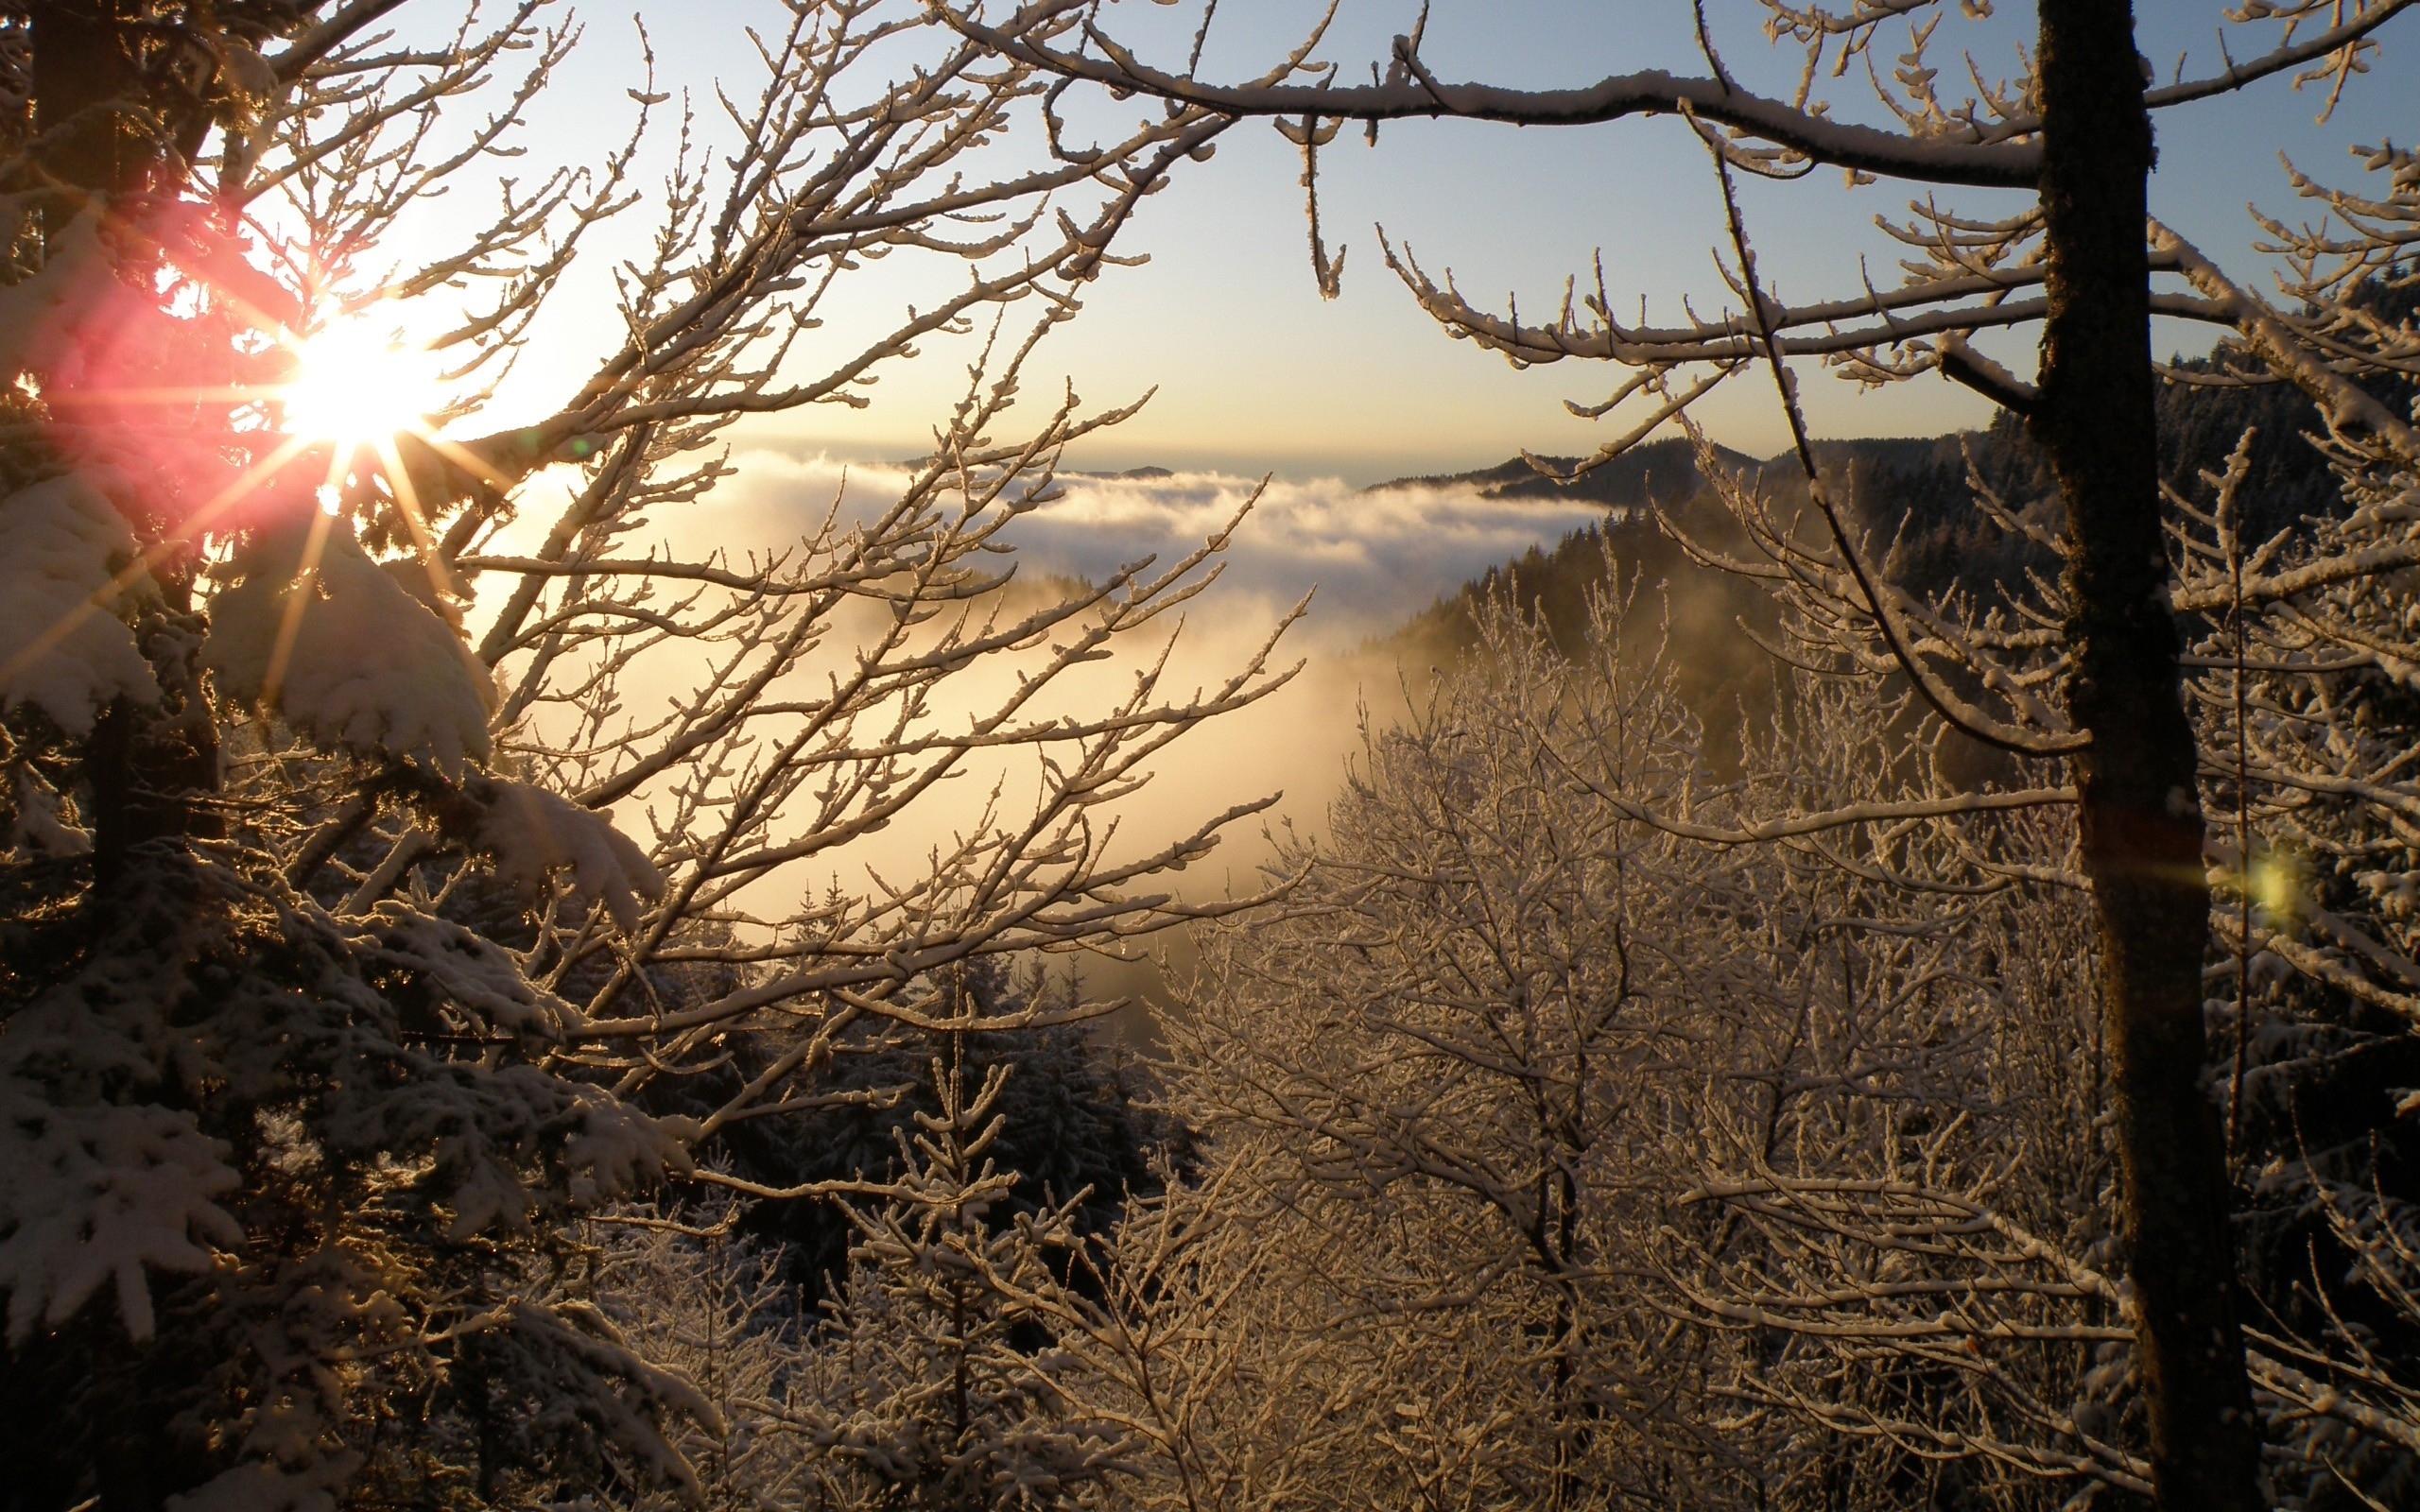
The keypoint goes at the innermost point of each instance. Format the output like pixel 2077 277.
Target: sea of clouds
pixel 1370 559
pixel 1375 557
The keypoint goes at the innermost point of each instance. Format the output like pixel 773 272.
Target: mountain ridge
pixel 1654 475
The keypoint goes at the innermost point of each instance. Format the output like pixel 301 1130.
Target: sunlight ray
pixel 159 551
pixel 298 598
pixel 408 504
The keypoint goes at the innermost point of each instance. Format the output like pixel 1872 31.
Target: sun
pixel 357 386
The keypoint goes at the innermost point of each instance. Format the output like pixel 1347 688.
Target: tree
pixel 1082 1114
pixel 947 1394
pixel 712 1307
pixel 330 986
pixel 1575 1107
pixel 2097 686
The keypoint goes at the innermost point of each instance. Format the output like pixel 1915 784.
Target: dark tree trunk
pixel 97 131
pixel 87 87
pixel 2141 823
pixel 87 83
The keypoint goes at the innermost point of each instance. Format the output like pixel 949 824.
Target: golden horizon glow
pixel 355 385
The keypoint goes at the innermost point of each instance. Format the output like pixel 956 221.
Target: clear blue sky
pixel 1257 372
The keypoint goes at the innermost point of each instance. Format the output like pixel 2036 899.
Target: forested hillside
pixel 2315 1113
pixel 1915 495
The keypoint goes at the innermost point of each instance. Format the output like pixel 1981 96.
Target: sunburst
pixel 355 385
pixel 354 390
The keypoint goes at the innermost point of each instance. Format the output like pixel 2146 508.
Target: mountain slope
pixel 1645 476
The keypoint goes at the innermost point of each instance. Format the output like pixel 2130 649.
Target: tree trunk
pixel 92 115
pixel 2141 823
pixel 86 83
pixel 88 90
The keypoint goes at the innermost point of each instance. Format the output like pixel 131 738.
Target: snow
pixel 259 1487
pixel 620 1152
pixel 69 652
pixel 367 666
pixel 532 835
pixel 41 317
pixel 475 973
pixel 41 824
pixel 94 1194
pixel 1955 156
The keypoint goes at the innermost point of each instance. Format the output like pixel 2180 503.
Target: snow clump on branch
pixel 69 652
pixel 326 637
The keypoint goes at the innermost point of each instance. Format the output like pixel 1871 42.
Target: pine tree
pixel 950 1398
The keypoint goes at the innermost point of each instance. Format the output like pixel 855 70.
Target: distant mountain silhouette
pixel 1649 476
pixel 1913 496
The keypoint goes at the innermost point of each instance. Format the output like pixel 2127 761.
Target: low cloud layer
pixel 1375 557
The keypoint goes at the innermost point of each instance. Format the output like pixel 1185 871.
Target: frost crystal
pixel 363 665
pixel 65 648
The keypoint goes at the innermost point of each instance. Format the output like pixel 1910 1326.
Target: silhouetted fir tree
pixel 1081 1116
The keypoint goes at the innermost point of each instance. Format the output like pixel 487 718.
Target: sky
pixel 1367 559
pixel 1255 372
pixel 1257 375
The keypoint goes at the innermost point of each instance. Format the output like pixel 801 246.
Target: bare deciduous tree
pixel 2090 673
pixel 1550 1121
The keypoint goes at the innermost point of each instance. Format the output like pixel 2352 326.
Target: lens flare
pixel 2276 886
pixel 355 385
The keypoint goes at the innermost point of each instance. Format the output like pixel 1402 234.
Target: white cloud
pixel 1375 557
